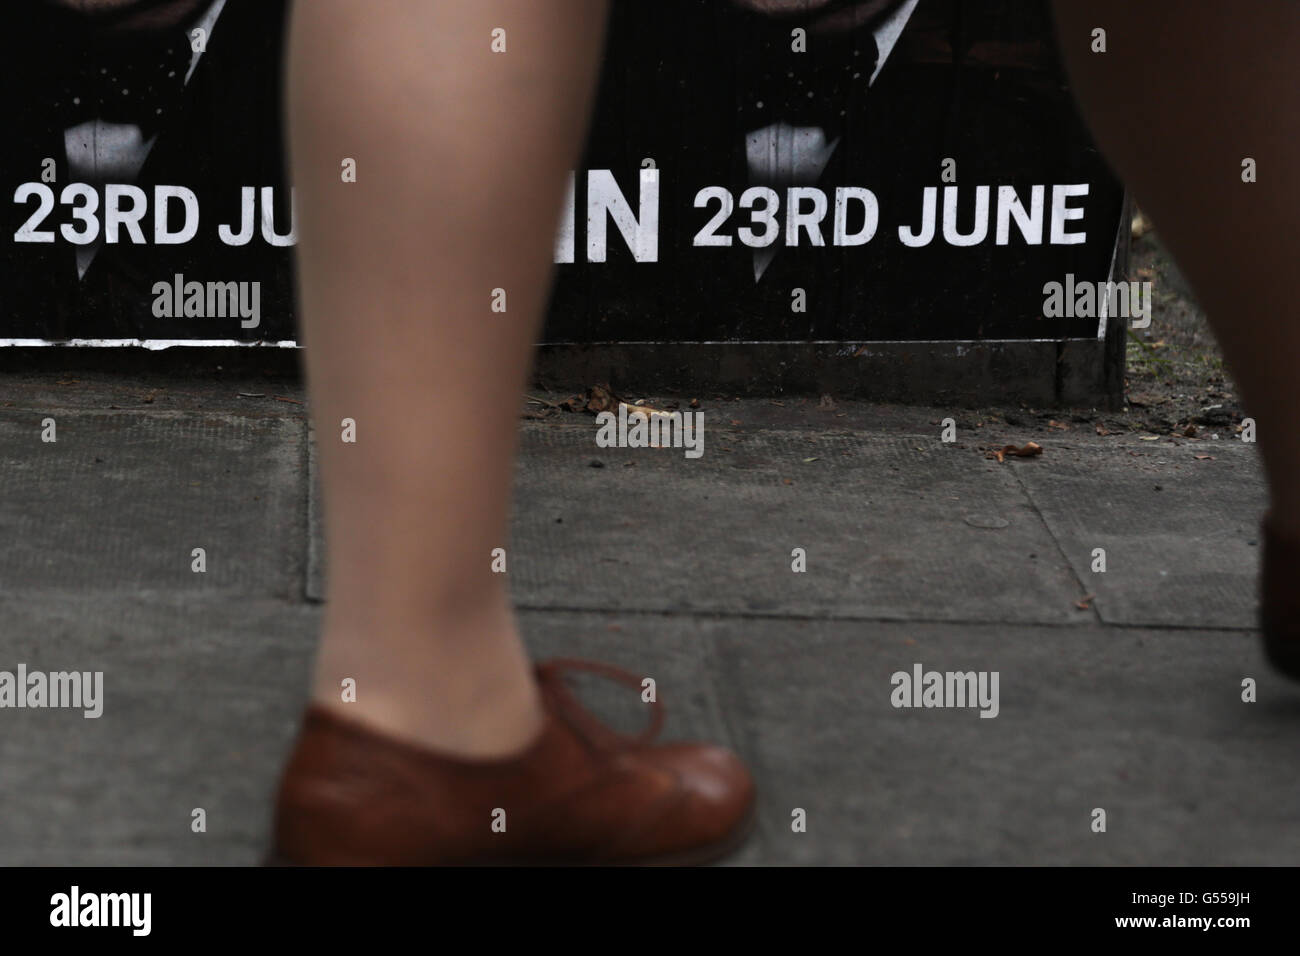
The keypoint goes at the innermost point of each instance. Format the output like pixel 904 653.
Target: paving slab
pixel 1148 725
pixel 200 701
pixel 200 705
pixel 892 528
pixel 120 500
pixel 1180 533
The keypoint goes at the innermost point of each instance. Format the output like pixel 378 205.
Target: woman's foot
pixel 579 794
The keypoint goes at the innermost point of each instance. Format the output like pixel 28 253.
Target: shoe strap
pixel 550 677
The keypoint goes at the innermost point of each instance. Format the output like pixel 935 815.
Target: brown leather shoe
pixel 580 794
pixel 1279 601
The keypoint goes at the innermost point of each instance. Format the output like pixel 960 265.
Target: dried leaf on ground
pixel 601 398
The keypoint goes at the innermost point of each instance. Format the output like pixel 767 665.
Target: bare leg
pixel 1185 92
pixel 461 156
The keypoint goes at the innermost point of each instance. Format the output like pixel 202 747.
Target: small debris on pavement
pixel 986 521
pixel 1027 450
pixel 1085 603
pixel 641 409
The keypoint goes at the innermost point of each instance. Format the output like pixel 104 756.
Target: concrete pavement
pixel 1119 690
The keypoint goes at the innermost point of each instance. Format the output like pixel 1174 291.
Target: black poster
pixel 127 168
pixel 891 170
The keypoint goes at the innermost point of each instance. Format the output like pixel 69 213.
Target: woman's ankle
pixel 463 688
pixel 489 725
